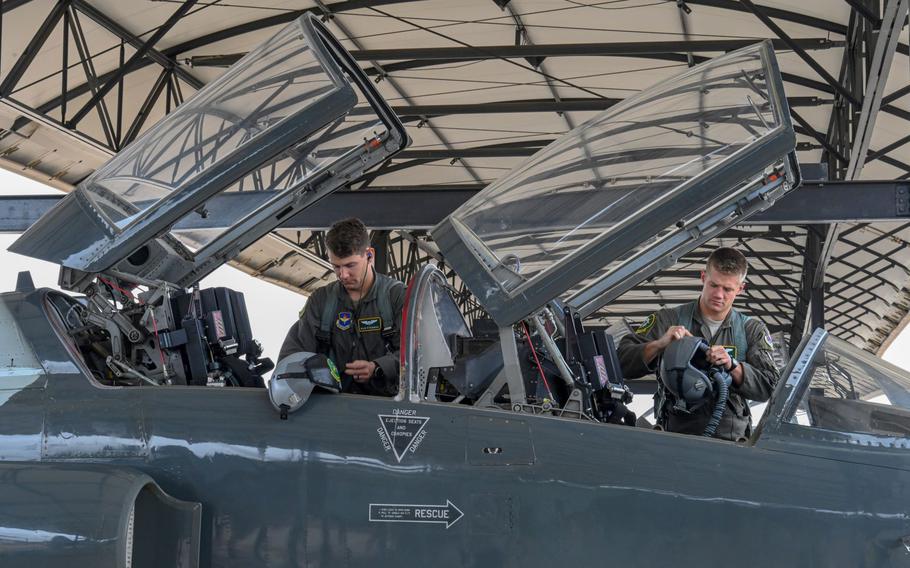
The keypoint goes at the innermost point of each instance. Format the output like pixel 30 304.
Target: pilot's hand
pixel 674 333
pixel 717 355
pixel 360 370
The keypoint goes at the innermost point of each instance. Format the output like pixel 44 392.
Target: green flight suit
pixel 355 335
pixel 760 374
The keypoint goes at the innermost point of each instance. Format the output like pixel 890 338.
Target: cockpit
pixel 836 392
pixel 289 123
pixel 608 205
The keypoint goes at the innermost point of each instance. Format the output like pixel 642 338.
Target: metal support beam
pixel 338 7
pixel 863 76
pixel 133 61
pixel 379 240
pixel 878 71
pixel 817 307
pixel 481 52
pixel 796 47
pixel 422 207
pixel 10 5
pixel 566 104
pixel 828 202
pixel 153 95
pixel 532 51
pixel 112 26
pixel 91 76
pixel 776 13
pixel 838 142
pixel 393 84
pixel 809 295
pixel 29 114
pixel 788 78
pixel 522 37
pixel 881 152
pixel 493 151
pixel 888 99
pixel 34 46
pixel 865 12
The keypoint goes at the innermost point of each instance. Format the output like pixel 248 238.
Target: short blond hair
pixel 728 261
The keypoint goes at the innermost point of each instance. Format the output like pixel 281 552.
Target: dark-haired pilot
pixel 739 343
pixel 356 320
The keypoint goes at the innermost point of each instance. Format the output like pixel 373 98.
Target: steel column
pixel 878 68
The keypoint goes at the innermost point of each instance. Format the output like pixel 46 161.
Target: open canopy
pixel 624 194
pixel 280 116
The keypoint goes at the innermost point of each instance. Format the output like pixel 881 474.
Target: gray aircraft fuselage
pixel 472 487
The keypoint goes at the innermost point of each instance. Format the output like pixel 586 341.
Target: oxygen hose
pixel 722 384
pixel 721 403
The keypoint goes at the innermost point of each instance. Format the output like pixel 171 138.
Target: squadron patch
pixel 373 323
pixel 647 325
pixel 767 342
pixel 344 320
pixel 731 351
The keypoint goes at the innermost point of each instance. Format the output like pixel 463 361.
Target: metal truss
pixel 791 292
pixel 174 78
pixel 871 45
pixel 772 283
pixel 105 91
pixel 399 254
pixel 406 252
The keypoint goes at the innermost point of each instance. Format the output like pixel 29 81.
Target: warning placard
pixel 402 432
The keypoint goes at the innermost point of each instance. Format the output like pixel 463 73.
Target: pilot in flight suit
pixel 355 321
pixel 733 337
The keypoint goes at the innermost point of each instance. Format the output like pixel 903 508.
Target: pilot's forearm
pixel 631 359
pixel 651 350
pixel 738 375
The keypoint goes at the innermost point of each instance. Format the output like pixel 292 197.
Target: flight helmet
pixel 683 372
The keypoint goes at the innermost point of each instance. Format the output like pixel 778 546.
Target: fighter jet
pixel 135 429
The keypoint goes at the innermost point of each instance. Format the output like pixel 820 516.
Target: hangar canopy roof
pixel 482 85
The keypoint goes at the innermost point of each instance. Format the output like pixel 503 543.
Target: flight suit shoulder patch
pixel 766 341
pixel 647 325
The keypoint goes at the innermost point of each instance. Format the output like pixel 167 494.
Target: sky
pixel 272 309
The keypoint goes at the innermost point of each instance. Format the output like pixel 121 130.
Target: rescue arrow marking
pixel 447 514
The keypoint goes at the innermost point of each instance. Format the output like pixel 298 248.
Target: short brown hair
pixel 347 237
pixel 728 261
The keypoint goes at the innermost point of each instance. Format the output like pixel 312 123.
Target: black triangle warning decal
pixel 403 433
